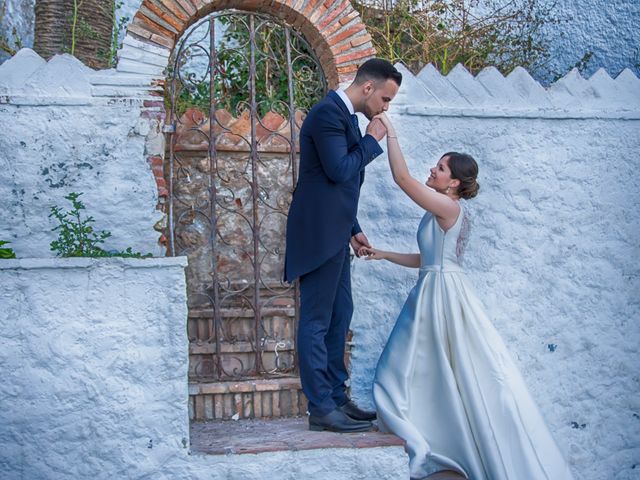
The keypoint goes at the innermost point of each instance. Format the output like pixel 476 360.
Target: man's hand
pixel 376 129
pixel 358 241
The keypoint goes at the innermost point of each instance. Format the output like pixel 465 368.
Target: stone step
pixel 247 399
pixel 254 448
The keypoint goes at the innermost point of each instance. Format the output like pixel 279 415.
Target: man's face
pixel 377 96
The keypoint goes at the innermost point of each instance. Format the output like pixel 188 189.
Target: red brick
pixel 199 4
pixel 333 14
pixel 164 15
pixel 187 7
pixel 356 42
pixel 350 15
pixel 332 28
pixel 319 13
pixel 155 160
pixel 354 56
pixel 163 41
pixel 348 32
pixel 148 24
pixel 173 7
pixel 311 7
pixel 139 30
pixel 336 50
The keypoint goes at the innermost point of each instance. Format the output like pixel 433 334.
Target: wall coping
pixel 78 263
pixel 24 82
pixel 525 113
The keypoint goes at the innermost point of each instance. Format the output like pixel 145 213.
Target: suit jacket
pixel 322 215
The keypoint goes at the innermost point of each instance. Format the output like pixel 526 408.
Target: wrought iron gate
pixel 238 86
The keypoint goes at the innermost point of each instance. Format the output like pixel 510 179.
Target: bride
pixel 445 381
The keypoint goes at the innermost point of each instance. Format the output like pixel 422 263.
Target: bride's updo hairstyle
pixel 464 168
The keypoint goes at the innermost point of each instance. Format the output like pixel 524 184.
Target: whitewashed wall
pixel 67 128
pixel 93 381
pixel 554 251
pixel 605 28
pixel 554 247
pixel 94 367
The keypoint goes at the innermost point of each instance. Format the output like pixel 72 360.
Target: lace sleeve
pixel 465 230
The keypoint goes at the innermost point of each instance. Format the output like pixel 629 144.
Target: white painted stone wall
pixel 554 247
pixel 553 252
pixel 93 381
pixel 606 28
pixel 65 129
pixel 94 367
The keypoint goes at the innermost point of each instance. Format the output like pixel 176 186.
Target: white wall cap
pixel 63 75
pixel 467 85
pixel 629 86
pixel 571 91
pixel 15 71
pixel 81 262
pixel 413 90
pixel 502 91
pixel 607 91
pixel 527 87
pixel 441 88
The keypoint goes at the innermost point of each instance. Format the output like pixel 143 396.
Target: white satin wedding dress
pixel 446 383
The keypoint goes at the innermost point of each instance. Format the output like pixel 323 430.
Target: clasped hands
pixel 379 126
pixel 362 248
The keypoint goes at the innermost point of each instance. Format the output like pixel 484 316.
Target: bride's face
pixel 440 177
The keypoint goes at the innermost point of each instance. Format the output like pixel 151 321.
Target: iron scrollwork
pixel 238 88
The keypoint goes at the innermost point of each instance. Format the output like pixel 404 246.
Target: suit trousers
pixel 326 308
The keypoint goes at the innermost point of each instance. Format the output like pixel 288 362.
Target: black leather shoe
pixel 337 421
pixel 355 412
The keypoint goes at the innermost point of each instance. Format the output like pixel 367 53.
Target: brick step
pixel 252 398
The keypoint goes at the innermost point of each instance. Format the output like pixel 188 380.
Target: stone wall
pixel 552 252
pixel 94 367
pixel 605 28
pixel 93 381
pixel 552 249
pixel 66 130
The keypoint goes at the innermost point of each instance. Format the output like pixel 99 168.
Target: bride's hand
pixel 371 253
pixel 387 123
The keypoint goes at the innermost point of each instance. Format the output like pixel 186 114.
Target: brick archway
pixel 332 27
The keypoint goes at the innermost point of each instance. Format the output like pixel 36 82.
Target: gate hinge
pixel 169 128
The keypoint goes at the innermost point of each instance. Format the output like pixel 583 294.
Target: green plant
pixel 119 24
pixel 476 33
pixel 74 24
pixel 76 236
pixel 6 252
pixel 232 73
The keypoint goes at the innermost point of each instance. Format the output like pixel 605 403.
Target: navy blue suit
pixel 321 221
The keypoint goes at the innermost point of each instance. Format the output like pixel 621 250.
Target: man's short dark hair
pixel 377 69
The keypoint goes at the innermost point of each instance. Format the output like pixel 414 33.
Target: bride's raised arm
pixel 441 204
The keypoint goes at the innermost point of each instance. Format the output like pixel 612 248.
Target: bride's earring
pixel 448 188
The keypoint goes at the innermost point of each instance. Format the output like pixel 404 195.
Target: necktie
pixel 354 122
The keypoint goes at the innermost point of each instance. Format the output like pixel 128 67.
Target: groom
pixel 321 224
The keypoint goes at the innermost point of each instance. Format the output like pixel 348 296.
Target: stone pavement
pixel 286 434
